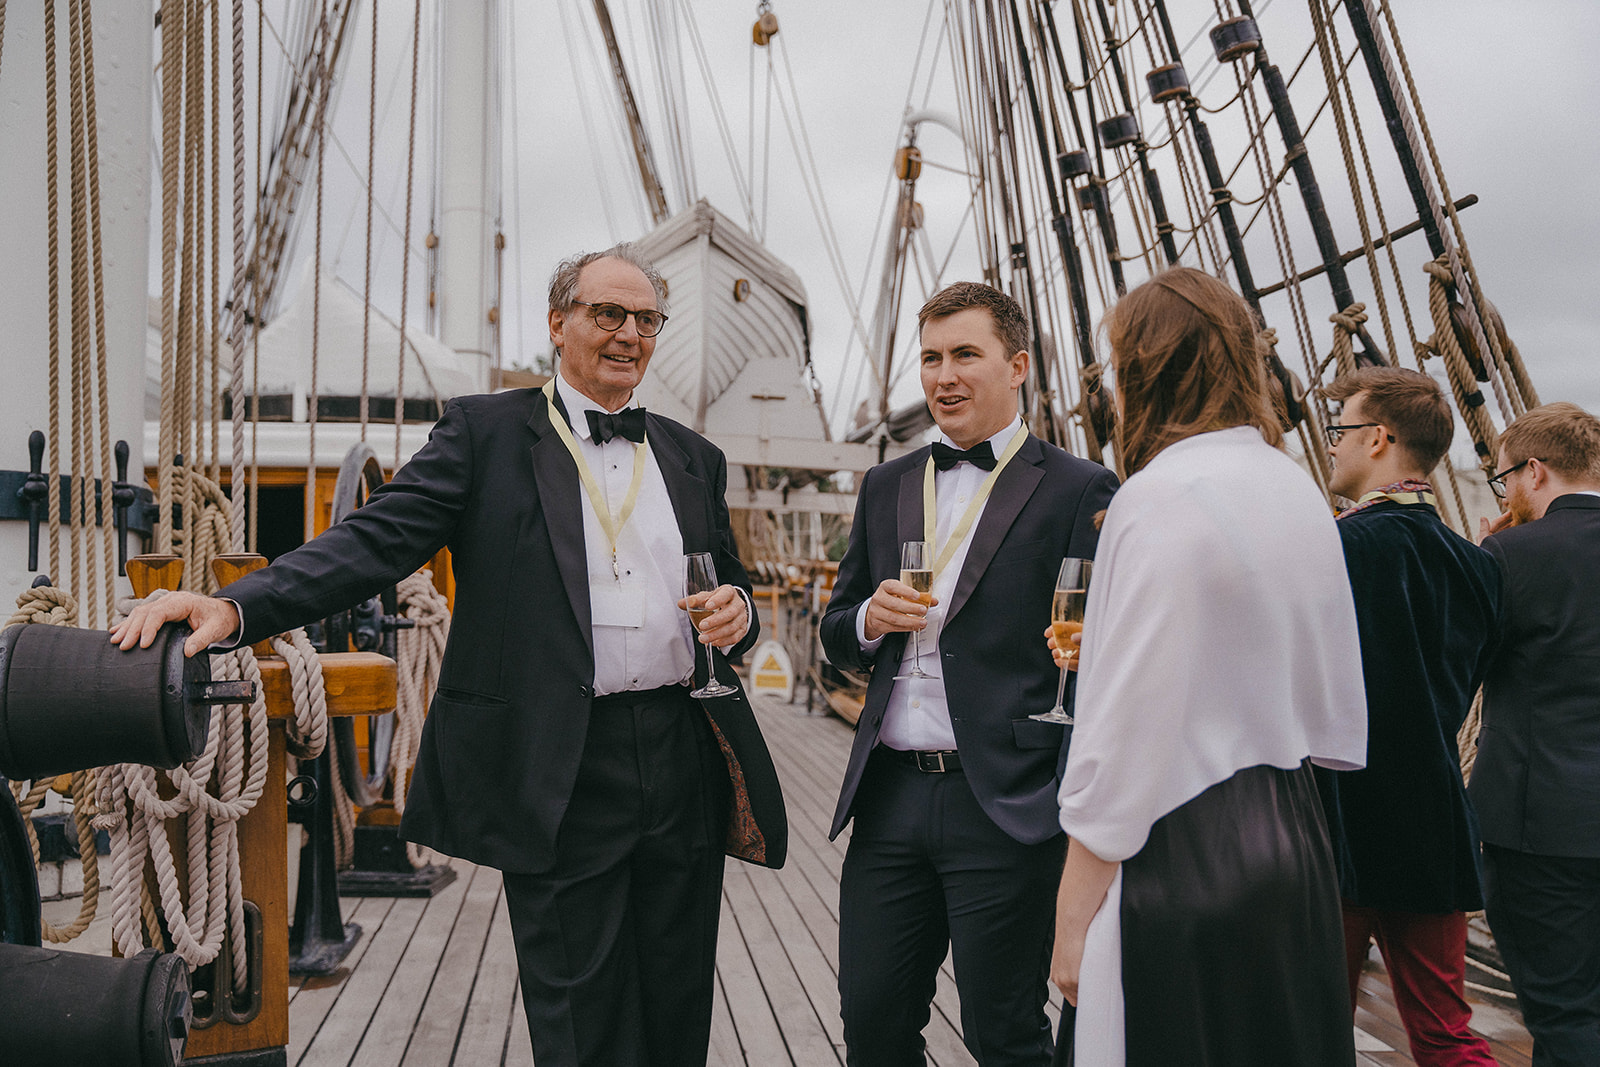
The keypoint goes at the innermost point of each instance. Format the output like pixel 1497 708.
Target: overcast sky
pixel 1511 95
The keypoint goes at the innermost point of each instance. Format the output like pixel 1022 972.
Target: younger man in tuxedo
pixel 1537 780
pixel 952 787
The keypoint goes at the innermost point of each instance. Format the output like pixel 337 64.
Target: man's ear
pixel 1019 368
pixel 557 325
pixel 1384 442
pixel 1541 473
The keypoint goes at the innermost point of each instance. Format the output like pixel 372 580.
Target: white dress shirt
pixel 918 713
pixel 645 640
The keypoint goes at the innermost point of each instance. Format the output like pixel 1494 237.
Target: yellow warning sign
pixel 773 674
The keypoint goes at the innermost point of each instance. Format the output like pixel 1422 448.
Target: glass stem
pixel 916 650
pixel 1061 693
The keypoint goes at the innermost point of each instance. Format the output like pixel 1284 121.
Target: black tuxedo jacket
pixel 996 668
pixel 501 744
pixel 1536 783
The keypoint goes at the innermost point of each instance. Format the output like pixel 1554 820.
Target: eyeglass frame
pixel 594 315
pixel 1497 482
pixel 1335 428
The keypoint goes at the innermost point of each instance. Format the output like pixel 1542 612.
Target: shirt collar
pixel 576 404
pixel 998 442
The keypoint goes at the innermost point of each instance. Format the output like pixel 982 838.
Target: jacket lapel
pixel 560 495
pixel 1006 501
pixel 690 496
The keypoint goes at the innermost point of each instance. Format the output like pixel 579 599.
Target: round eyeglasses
pixel 610 317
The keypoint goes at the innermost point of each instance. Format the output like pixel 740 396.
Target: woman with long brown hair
pixel 1198 920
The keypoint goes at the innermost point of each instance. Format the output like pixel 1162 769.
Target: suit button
pixel 585 691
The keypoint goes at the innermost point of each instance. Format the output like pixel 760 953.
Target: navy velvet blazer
pixel 1403 834
pixel 996 668
pixel 1537 780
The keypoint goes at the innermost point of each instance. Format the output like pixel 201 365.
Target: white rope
pixel 420 653
pixel 211 794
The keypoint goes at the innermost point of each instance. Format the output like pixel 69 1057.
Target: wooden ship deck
pixel 433 982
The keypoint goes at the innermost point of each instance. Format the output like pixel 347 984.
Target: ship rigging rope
pixel 1328 45
pixel 314 400
pixel 405 260
pixel 366 285
pixel 1413 121
pixel 236 300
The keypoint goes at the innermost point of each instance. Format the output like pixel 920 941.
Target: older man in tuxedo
pixel 952 787
pixel 563 746
pixel 1536 783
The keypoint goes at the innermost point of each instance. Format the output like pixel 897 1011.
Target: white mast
pixel 123 36
pixel 469 180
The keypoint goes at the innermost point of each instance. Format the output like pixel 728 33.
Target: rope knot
pixel 45 604
pixel 1439 270
pixel 1351 319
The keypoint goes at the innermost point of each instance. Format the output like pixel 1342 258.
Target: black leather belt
pixel 637 697
pixel 939 761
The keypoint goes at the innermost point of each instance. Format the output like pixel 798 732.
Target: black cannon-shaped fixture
pixel 71 1007
pixel 71 699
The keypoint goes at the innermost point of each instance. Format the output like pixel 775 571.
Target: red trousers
pixel 1426 957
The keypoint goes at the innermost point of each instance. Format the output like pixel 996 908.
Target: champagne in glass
pixel 699 582
pixel 1066 620
pixel 916 570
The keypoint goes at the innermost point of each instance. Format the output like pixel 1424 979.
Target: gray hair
pixel 564 282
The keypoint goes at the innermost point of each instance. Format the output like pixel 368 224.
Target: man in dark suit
pixel 1427 601
pixel 562 745
pixel 1536 783
pixel 956 844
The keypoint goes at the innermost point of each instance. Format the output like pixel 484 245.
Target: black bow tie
pixel 627 423
pixel 979 455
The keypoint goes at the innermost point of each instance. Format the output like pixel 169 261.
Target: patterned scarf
pixel 1406 491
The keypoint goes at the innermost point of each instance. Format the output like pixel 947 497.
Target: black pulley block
pixel 70 699
pixel 1168 83
pixel 1119 130
pixel 71 1007
pixel 1235 38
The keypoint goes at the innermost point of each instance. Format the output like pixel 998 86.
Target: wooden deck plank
pixel 802 1013
pixel 756 1027
pixel 519 1046
pixel 724 1050
pixel 312 998
pixel 434 1039
pixel 336 1041
pixel 489 1010
pixel 385 1040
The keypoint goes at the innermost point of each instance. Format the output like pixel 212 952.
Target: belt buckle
pixel 930 762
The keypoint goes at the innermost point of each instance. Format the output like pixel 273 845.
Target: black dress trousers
pixel 1545 915
pixel 616 945
pixel 927 872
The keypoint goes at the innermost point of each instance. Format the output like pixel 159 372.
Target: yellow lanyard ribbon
pixel 959 533
pixel 611 526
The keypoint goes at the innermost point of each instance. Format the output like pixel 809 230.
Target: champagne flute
pixel 1066 619
pixel 699 582
pixel 916 570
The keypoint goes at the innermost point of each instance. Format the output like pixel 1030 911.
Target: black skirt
pixel 1232 937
